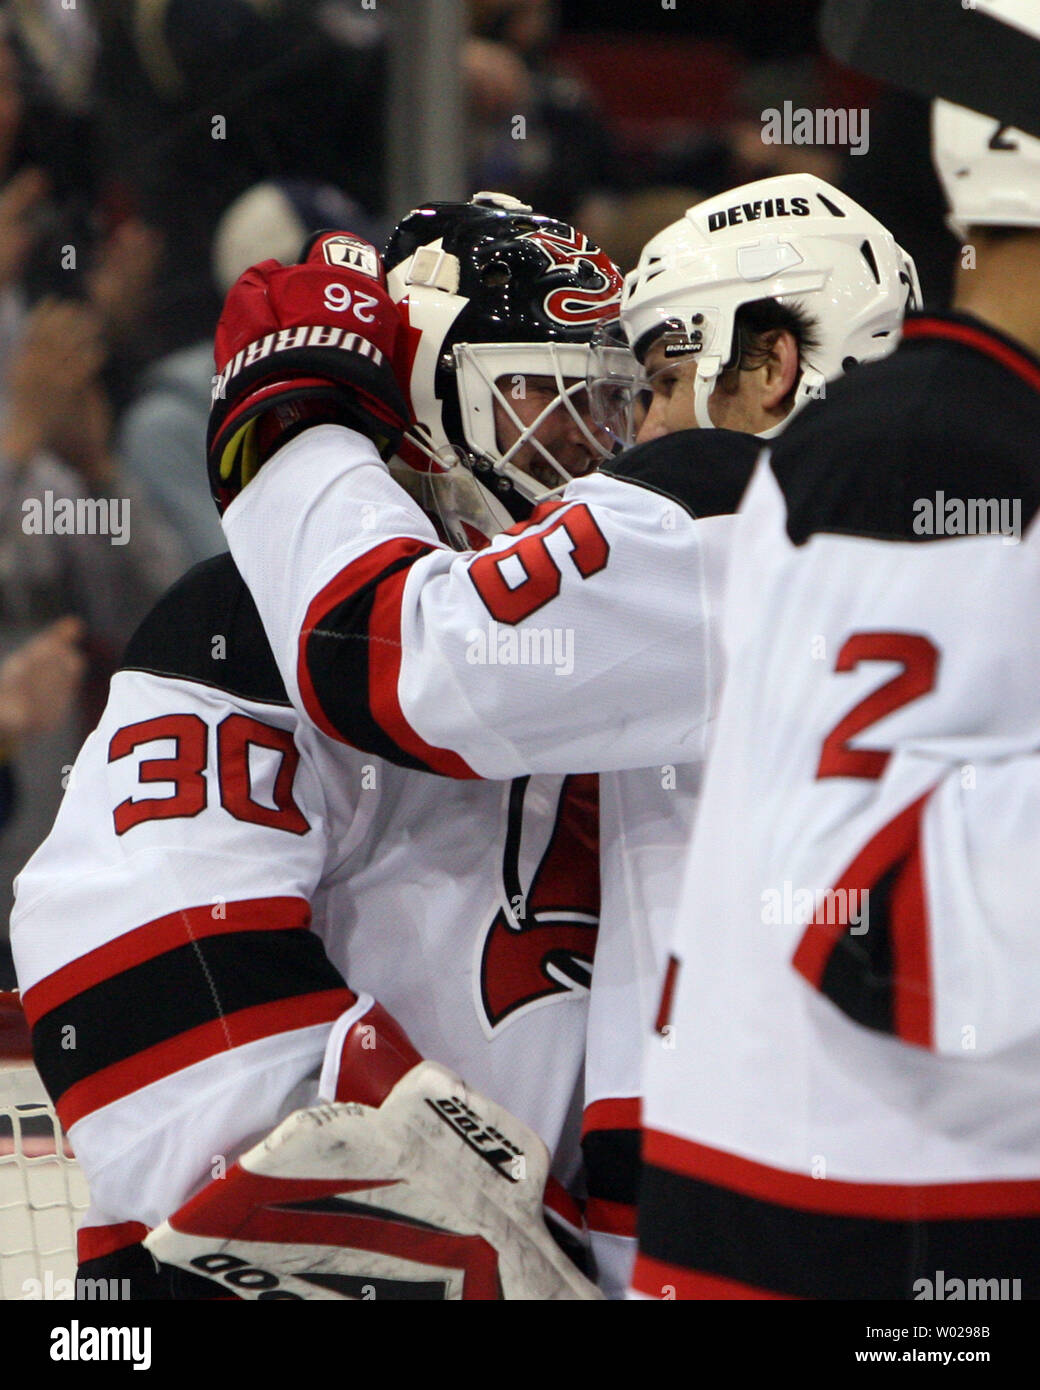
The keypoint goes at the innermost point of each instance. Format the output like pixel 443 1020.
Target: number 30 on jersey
pixel 186 769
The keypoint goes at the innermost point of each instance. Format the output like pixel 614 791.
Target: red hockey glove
pixel 298 345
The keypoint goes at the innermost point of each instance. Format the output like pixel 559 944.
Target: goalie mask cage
pixel 43 1194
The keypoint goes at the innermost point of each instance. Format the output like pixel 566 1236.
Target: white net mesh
pixel 42 1192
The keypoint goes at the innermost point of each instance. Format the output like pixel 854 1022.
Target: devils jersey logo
pixel 540 947
pixel 570 305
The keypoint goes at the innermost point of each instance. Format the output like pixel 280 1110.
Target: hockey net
pixel 43 1194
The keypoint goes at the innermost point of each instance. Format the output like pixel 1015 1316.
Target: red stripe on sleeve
pixel 384 655
pixel 196 1044
pixel 610 1218
pixel 155 938
pixel 663 1021
pixel 912 983
pixel 897 841
pixel 94 1241
pixel 559 1201
pixel 658 1279
pixel 612 1114
pixel 384 674
pixel 343 586
pixel 889 1201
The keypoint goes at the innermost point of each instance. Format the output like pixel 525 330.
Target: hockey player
pixel 600 563
pixel 583 551
pixel 850 1109
pixel 184 949
pixel 785 348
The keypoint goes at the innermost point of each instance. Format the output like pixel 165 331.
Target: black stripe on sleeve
pixel 612 1164
pixel 859 976
pixel 337 660
pixel 818 1255
pixel 178 990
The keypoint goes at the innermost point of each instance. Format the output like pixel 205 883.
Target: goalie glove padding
pixel 298 345
pixel 436 1193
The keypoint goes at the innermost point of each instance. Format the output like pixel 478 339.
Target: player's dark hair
pixel 756 327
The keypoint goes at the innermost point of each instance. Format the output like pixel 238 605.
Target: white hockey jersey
pixel 850 1105
pixel 577 642
pixel 220 878
pixel 585 639
pixel 646 822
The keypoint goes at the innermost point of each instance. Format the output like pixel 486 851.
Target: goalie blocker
pixel 295 347
pixel 404 1185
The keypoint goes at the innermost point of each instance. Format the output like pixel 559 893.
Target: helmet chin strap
pixel 773 430
pixel 705 385
pixel 811 381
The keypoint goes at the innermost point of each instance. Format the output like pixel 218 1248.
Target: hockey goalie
pixel 250 1124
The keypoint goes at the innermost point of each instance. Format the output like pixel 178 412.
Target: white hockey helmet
pixel 990 172
pixel 489 289
pixel 793 238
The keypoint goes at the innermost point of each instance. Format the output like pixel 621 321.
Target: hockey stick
pixel 940 48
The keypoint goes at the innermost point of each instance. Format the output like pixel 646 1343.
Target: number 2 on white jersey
pixel 919 659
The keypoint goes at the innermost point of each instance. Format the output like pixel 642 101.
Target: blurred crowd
pixel 151 149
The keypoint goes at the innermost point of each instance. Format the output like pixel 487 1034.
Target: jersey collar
pixel 974 333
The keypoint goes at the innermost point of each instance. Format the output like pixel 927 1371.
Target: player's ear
pixel 781 369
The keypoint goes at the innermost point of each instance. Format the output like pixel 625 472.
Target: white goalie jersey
pixel 221 881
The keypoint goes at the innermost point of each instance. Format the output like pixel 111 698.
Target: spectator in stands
pixel 75 539
pixel 220 94
pixel 75 536
pixel 563 150
pixel 716 159
pixel 162 436
pixel 623 224
pixel 38 683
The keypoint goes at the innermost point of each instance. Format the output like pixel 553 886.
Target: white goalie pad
pixel 435 1194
